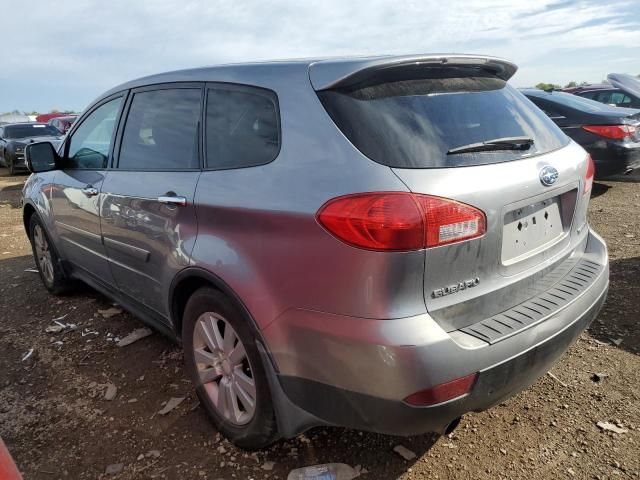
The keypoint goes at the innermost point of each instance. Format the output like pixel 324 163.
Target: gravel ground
pixel 57 423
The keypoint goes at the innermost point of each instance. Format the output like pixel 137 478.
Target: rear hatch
pixel 457 130
pixel 625 82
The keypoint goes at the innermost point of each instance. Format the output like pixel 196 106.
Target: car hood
pixel 55 141
pixel 625 82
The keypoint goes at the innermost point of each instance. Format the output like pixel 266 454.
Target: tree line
pixel 571 84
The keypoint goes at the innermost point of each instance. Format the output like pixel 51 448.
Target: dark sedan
pixel 15 136
pixel 610 134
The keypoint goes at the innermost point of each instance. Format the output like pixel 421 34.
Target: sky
pixel 63 54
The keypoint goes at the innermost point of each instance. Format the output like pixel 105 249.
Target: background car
pixel 45 117
pixel 63 124
pixel 15 136
pixel 610 134
pixel 622 91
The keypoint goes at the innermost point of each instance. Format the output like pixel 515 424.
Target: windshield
pixel 414 123
pixel 34 130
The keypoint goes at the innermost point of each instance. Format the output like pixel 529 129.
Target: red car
pixel 45 117
pixel 8 469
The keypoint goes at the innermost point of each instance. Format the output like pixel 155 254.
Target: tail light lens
pixel 400 221
pixel 615 132
pixel 443 392
pixel 588 177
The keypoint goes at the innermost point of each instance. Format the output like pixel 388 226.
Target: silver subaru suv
pixel 379 243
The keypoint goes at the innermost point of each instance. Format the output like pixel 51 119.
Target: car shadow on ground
pixel 617 323
pixel 599 189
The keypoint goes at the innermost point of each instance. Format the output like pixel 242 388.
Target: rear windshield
pixel 414 123
pixel 25 131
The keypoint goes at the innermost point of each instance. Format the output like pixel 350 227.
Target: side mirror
pixel 41 157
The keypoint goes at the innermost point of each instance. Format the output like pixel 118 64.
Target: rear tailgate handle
pixel 173 200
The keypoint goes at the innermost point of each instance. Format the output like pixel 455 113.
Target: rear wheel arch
pixel 190 280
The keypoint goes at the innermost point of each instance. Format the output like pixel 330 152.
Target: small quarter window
pixel 241 127
pixel 90 144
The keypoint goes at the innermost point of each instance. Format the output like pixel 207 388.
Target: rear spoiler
pixel 329 74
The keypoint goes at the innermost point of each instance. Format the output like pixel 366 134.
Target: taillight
pixel 397 221
pixel 615 132
pixel 448 221
pixel 443 392
pixel 588 177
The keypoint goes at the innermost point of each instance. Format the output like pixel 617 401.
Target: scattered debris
pixel 557 379
pixel 60 326
pixel 360 470
pixel 171 404
pixel 28 354
pixel 111 392
pixel 153 453
pixel 114 469
pixel 31 270
pixel 54 329
pixel 571 471
pixel 616 342
pixel 337 471
pixel 404 452
pixel 503 451
pixel 110 312
pixel 134 336
pixel 610 427
pixel 598 377
pixel 268 466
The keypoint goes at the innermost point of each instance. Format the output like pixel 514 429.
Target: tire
pixel 10 166
pixel 223 382
pixel 47 260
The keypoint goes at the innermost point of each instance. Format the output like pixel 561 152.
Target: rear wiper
pixel 506 143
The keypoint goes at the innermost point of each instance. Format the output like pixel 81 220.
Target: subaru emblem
pixel 548 175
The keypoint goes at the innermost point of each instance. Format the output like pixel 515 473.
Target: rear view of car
pixel 379 243
pixel 611 135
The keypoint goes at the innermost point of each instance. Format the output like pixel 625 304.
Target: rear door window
pixel 414 123
pixel 242 127
pixel 162 130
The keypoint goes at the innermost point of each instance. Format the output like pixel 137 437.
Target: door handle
pixel 89 191
pixel 173 200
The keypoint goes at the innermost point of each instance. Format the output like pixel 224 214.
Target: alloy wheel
pixel 43 254
pixel 224 369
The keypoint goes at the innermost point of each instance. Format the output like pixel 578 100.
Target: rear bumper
pixel 356 372
pixel 614 158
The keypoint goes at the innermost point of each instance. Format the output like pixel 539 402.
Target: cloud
pixel 62 54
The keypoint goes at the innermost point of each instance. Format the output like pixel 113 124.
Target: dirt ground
pixel 57 423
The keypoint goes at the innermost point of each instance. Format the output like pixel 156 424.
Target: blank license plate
pixel 531 229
